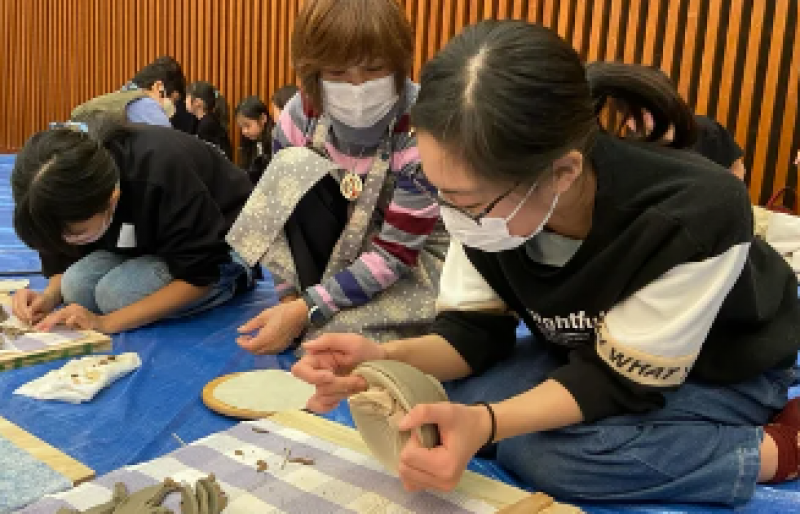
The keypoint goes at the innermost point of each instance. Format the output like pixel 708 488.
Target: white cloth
pixel 79 380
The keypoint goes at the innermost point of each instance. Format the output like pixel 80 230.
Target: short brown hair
pixel 346 33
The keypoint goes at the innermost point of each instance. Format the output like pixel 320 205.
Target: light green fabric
pixel 114 103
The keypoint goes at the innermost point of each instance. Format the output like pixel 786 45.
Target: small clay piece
pixel 239 452
pixel 287 454
pixel 394 389
pixel 3 314
pixel 302 460
pixel 149 499
pixel 261 466
pixel 259 430
pixel 119 494
pixel 211 498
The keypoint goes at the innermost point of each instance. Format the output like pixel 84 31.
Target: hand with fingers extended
pixel 73 316
pixel 327 363
pixel 32 307
pixel 463 430
pixel 275 328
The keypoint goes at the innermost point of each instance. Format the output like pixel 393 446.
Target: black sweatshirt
pixel 670 283
pixel 179 197
pixel 210 129
pixel 715 143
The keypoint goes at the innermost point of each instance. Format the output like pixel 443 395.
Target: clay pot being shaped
pixel 394 389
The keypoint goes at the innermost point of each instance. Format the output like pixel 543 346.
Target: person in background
pixel 253 119
pixel 182 120
pixel 145 99
pixel 129 222
pixel 666 334
pixel 704 135
pixel 281 98
pixel 354 243
pixel 206 103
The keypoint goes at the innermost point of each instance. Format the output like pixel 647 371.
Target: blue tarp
pixel 134 420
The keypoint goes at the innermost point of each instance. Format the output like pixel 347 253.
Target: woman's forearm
pixel 431 354
pixel 548 406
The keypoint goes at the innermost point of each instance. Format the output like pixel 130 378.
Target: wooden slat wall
pixel 736 60
pixel 59 53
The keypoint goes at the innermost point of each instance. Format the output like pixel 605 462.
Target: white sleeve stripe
pixel 463 288
pixel 672 316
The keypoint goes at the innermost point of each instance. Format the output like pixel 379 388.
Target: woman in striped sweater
pixel 349 234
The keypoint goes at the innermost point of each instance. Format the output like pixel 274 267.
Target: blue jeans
pixel 702 447
pixel 105 282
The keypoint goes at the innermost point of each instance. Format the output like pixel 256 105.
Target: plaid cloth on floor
pixel 339 480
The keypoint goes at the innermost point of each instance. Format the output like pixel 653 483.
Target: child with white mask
pixel 353 239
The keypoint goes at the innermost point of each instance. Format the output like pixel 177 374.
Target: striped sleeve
pixel 408 221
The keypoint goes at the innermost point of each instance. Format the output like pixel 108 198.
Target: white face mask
pixel 491 234
pixel 359 106
pixel 85 239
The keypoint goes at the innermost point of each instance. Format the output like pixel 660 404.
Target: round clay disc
pixel 256 394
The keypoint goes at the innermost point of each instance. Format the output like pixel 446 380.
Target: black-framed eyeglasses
pixel 418 178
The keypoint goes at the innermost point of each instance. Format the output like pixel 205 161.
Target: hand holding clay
pixel 463 431
pixel 31 307
pixel 394 389
pixel 327 363
pixel 277 327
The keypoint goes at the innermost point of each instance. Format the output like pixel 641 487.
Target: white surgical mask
pixel 490 234
pixel 359 106
pixel 85 239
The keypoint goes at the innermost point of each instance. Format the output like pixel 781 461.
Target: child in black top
pixel 253 118
pixel 129 223
pixel 256 125
pixel 210 108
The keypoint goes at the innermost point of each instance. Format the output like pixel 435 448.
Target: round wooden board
pixel 223 408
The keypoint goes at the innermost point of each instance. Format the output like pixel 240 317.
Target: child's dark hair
pixel 212 99
pixel 62 176
pixel 283 95
pixel 165 69
pixel 510 97
pixel 252 108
